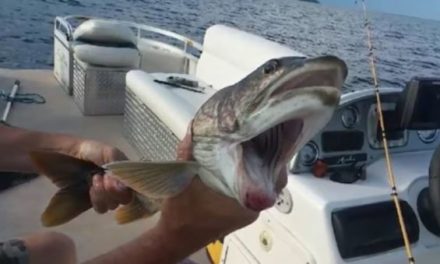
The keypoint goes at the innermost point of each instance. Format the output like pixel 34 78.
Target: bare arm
pixel 157 245
pixel 15 144
pixel 188 222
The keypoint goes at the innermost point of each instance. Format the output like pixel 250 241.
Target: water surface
pixel 405 46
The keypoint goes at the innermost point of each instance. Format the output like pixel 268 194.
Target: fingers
pixel 119 193
pixel 97 194
pixel 110 194
pixel 107 193
pixel 184 149
pixel 113 154
pixel 97 152
pixel 184 153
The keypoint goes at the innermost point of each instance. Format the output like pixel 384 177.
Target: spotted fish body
pixel 242 139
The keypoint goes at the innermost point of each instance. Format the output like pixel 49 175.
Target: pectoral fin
pixel 155 179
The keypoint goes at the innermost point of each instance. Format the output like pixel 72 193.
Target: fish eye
pixel 271 66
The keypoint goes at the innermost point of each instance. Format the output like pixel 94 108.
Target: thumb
pixel 184 148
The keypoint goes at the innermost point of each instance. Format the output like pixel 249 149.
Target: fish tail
pixel 139 208
pixel 73 178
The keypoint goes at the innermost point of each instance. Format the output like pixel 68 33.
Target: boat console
pixel 337 206
pixel 353 137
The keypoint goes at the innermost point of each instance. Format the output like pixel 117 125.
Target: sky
pixel 429 9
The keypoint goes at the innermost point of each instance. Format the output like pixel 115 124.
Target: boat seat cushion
pixel 105 33
pixel 106 43
pixel 107 56
pixel 230 54
pixel 176 107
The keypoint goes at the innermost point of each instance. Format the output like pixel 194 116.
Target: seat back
pixel 230 54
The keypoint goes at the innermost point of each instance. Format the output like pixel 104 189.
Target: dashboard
pixel 353 137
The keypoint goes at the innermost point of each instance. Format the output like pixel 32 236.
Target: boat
pixel 138 86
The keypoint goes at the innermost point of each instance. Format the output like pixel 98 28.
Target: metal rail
pixel 140 28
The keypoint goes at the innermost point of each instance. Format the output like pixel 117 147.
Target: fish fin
pixel 155 179
pixel 65 205
pixel 73 177
pixel 135 210
pixel 63 170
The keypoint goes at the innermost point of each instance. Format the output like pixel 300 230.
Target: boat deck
pixel 21 206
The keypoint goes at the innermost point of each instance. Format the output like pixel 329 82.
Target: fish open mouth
pixel 265 156
pixel 282 110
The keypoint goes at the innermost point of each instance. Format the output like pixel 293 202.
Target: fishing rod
pixel 390 172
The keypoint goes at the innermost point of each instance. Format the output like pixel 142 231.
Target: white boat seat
pixel 228 56
pixel 174 106
pixel 160 57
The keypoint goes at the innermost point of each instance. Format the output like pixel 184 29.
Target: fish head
pixel 268 117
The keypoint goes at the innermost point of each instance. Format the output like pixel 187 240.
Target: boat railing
pixel 67 25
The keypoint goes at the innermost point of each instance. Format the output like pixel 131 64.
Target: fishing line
pixel 390 172
pixel 25 98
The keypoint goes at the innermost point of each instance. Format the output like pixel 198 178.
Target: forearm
pixel 158 245
pixel 16 143
pixel 188 222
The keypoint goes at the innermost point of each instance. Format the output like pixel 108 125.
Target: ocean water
pixel 405 46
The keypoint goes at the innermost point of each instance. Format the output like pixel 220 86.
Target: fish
pixel 243 138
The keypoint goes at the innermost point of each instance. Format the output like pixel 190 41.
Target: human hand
pixel 200 212
pixel 106 193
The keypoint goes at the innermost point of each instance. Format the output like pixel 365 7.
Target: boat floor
pixel 21 206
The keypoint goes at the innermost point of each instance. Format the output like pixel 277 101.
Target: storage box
pixel 98 90
pixel 146 132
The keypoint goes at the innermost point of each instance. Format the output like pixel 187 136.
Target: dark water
pixel 405 46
